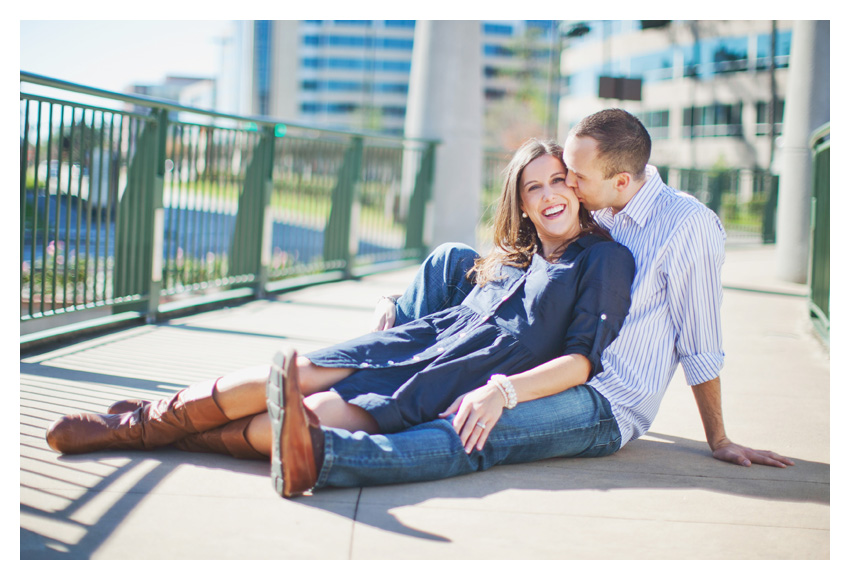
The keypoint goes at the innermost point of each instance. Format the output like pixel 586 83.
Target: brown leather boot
pixel 126 406
pixel 190 410
pixel 229 439
pixel 297 440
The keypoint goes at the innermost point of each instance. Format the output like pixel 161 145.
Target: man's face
pixel 586 176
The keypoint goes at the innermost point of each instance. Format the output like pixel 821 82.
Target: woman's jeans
pixel 575 423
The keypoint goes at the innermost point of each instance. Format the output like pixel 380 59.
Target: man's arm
pixel 707 395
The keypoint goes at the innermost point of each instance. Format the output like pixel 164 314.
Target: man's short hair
pixel 623 144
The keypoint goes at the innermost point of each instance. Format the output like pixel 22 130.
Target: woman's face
pixel 551 206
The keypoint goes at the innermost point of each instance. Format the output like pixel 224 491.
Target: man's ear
pixel 622 181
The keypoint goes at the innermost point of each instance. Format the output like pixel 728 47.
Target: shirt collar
pixel 641 207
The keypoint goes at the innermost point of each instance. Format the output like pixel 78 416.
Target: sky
pixel 113 54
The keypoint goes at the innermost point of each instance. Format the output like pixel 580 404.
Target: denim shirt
pixel 524 318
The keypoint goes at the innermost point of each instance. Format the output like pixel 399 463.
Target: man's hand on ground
pixel 740 455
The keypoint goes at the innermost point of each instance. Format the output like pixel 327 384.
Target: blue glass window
pixel 497 50
pixel 397 43
pixel 394 65
pixel 344 86
pixel 391 88
pixel 311 62
pixel 654 66
pixel 400 23
pixel 353 22
pixel 500 29
pixel 391 111
pixel 350 41
pixel 782 50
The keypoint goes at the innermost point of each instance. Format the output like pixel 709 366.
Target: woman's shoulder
pixel 598 247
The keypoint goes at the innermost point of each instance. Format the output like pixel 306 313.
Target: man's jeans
pixel 575 423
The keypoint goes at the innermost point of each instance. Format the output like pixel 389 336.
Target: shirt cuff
pixel 700 368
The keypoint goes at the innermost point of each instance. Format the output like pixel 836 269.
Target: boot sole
pixel 293 468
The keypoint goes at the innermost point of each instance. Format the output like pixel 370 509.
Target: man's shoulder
pixel 679 207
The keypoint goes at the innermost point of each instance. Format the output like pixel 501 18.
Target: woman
pixel 548 299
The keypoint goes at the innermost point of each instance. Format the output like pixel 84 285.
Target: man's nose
pixel 571 179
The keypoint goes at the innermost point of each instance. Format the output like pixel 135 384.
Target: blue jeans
pixel 575 423
pixel 440 283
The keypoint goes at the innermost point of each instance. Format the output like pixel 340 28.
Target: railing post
pixel 155 233
pixel 251 244
pixel 715 191
pixel 140 224
pixel 337 245
pixel 768 224
pixel 415 238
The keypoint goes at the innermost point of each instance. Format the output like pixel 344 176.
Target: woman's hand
pixel 477 413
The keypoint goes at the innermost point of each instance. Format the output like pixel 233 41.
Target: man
pixel 678 245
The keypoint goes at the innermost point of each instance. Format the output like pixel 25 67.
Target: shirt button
pixel 440 349
pixel 416 358
pixel 603 317
pixel 462 334
pixel 364 365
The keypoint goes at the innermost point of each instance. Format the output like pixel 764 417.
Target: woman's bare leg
pixel 332 411
pixel 243 392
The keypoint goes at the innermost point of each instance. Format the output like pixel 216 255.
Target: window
pixel 344 86
pixel 656 122
pixel 312 40
pixel 782 50
pixel 712 121
pixel 400 23
pixel 353 22
pixel 391 111
pixel 716 56
pixel 350 41
pixel 394 65
pixel 497 50
pixel 341 108
pixel 655 66
pixel 729 55
pixel 498 29
pixel 397 88
pixel 763 120
pixel 396 43
pixel 494 94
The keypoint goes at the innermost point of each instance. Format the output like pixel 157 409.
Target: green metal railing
pixel 745 200
pixel 143 207
pixel 819 260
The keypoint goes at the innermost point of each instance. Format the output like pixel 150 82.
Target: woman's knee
pixel 333 411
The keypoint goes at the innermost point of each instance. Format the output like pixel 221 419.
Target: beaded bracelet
pixel 506 388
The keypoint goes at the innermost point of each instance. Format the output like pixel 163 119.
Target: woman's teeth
pixel 553 210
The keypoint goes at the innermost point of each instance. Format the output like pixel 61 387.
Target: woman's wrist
pixel 506 388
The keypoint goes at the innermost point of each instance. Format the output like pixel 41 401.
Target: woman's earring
pixel 525 215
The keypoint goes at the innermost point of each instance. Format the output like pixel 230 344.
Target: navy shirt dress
pixel 409 374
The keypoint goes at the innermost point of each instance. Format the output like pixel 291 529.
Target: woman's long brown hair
pixel 515 240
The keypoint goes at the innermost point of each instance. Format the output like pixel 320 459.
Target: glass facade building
pixel 706 87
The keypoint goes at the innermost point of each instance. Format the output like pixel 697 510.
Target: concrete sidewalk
pixel 661 497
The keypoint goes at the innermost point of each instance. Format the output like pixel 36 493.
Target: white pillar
pixel 806 109
pixel 445 102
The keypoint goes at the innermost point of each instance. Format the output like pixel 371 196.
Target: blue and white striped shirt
pixel 678 245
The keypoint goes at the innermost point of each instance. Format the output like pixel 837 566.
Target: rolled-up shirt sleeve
pixel 602 302
pixel 694 295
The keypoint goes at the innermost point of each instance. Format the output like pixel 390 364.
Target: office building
pixel 704 89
